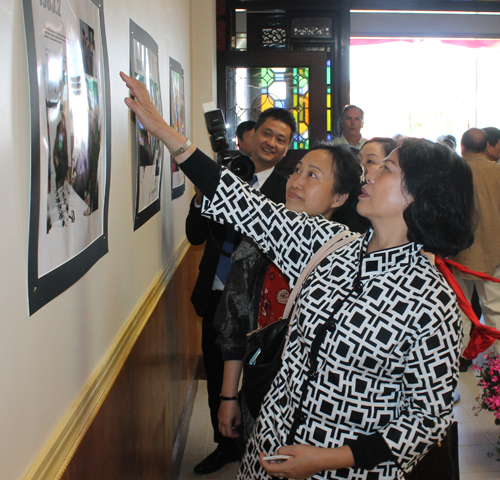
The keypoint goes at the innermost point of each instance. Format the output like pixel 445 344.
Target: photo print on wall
pixel 177 122
pixel 70 143
pixel 149 151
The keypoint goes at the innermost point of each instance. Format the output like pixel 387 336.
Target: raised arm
pixel 289 239
pixel 152 121
pixel 204 174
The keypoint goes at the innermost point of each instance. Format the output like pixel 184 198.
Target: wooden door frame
pixel 315 61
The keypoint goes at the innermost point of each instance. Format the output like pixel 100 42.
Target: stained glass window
pixel 250 91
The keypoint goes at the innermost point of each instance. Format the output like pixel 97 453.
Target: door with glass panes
pixel 285 60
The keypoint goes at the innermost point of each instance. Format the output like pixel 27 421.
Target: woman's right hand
pixel 151 119
pixel 229 418
pixel 143 107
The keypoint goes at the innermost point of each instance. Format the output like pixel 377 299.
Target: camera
pixel 241 165
pixel 238 163
pixel 216 127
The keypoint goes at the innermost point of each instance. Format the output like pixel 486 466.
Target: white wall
pixel 46 359
pixel 203 68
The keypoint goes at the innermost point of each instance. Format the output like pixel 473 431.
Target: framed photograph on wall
pixel 177 122
pixel 71 143
pixel 149 151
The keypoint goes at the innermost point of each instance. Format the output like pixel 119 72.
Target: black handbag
pixel 441 461
pixel 265 345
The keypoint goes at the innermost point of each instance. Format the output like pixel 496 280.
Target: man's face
pixel 270 143
pixel 493 153
pixel 352 122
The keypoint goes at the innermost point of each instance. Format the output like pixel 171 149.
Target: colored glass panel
pixel 249 91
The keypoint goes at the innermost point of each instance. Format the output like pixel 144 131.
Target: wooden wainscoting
pixel 139 432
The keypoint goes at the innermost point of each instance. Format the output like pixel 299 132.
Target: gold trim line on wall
pixel 59 450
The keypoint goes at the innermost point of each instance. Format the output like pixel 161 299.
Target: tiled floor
pixel 477 434
pixel 200 441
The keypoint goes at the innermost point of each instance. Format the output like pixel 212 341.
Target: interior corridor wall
pixel 46 359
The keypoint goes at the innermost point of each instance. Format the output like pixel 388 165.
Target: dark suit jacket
pixel 199 229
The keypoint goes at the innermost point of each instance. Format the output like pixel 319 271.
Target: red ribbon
pixel 482 337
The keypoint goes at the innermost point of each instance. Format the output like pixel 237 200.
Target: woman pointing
pixel 369 398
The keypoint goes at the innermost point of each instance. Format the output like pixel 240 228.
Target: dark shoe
pixel 216 460
pixel 464 364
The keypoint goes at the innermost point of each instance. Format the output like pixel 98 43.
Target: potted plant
pixel 489 399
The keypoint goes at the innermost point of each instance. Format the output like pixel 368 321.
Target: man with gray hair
pixel 351 123
pixel 484 255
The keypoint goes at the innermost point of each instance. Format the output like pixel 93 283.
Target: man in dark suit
pixel 274 132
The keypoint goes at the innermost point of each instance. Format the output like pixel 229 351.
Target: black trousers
pixel 214 366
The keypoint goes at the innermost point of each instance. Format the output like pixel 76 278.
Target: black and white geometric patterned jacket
pixel 389 365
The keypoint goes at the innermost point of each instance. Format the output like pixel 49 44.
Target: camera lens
pixel 241 165
pixel 242 168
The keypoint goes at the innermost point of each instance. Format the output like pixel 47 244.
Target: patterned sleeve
pixel 430 376
pixel 237 312
pixel 288 238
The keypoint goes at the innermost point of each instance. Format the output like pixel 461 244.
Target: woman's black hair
pixel 441 216
pixel 347 171
pixel 387 144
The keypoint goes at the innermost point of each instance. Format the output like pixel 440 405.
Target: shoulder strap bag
pixel 265 346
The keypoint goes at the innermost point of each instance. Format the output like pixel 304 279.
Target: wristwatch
pixel 181 150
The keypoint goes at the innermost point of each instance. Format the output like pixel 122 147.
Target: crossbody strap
pixel 319 337
pixel 339 240
pixel 336 242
